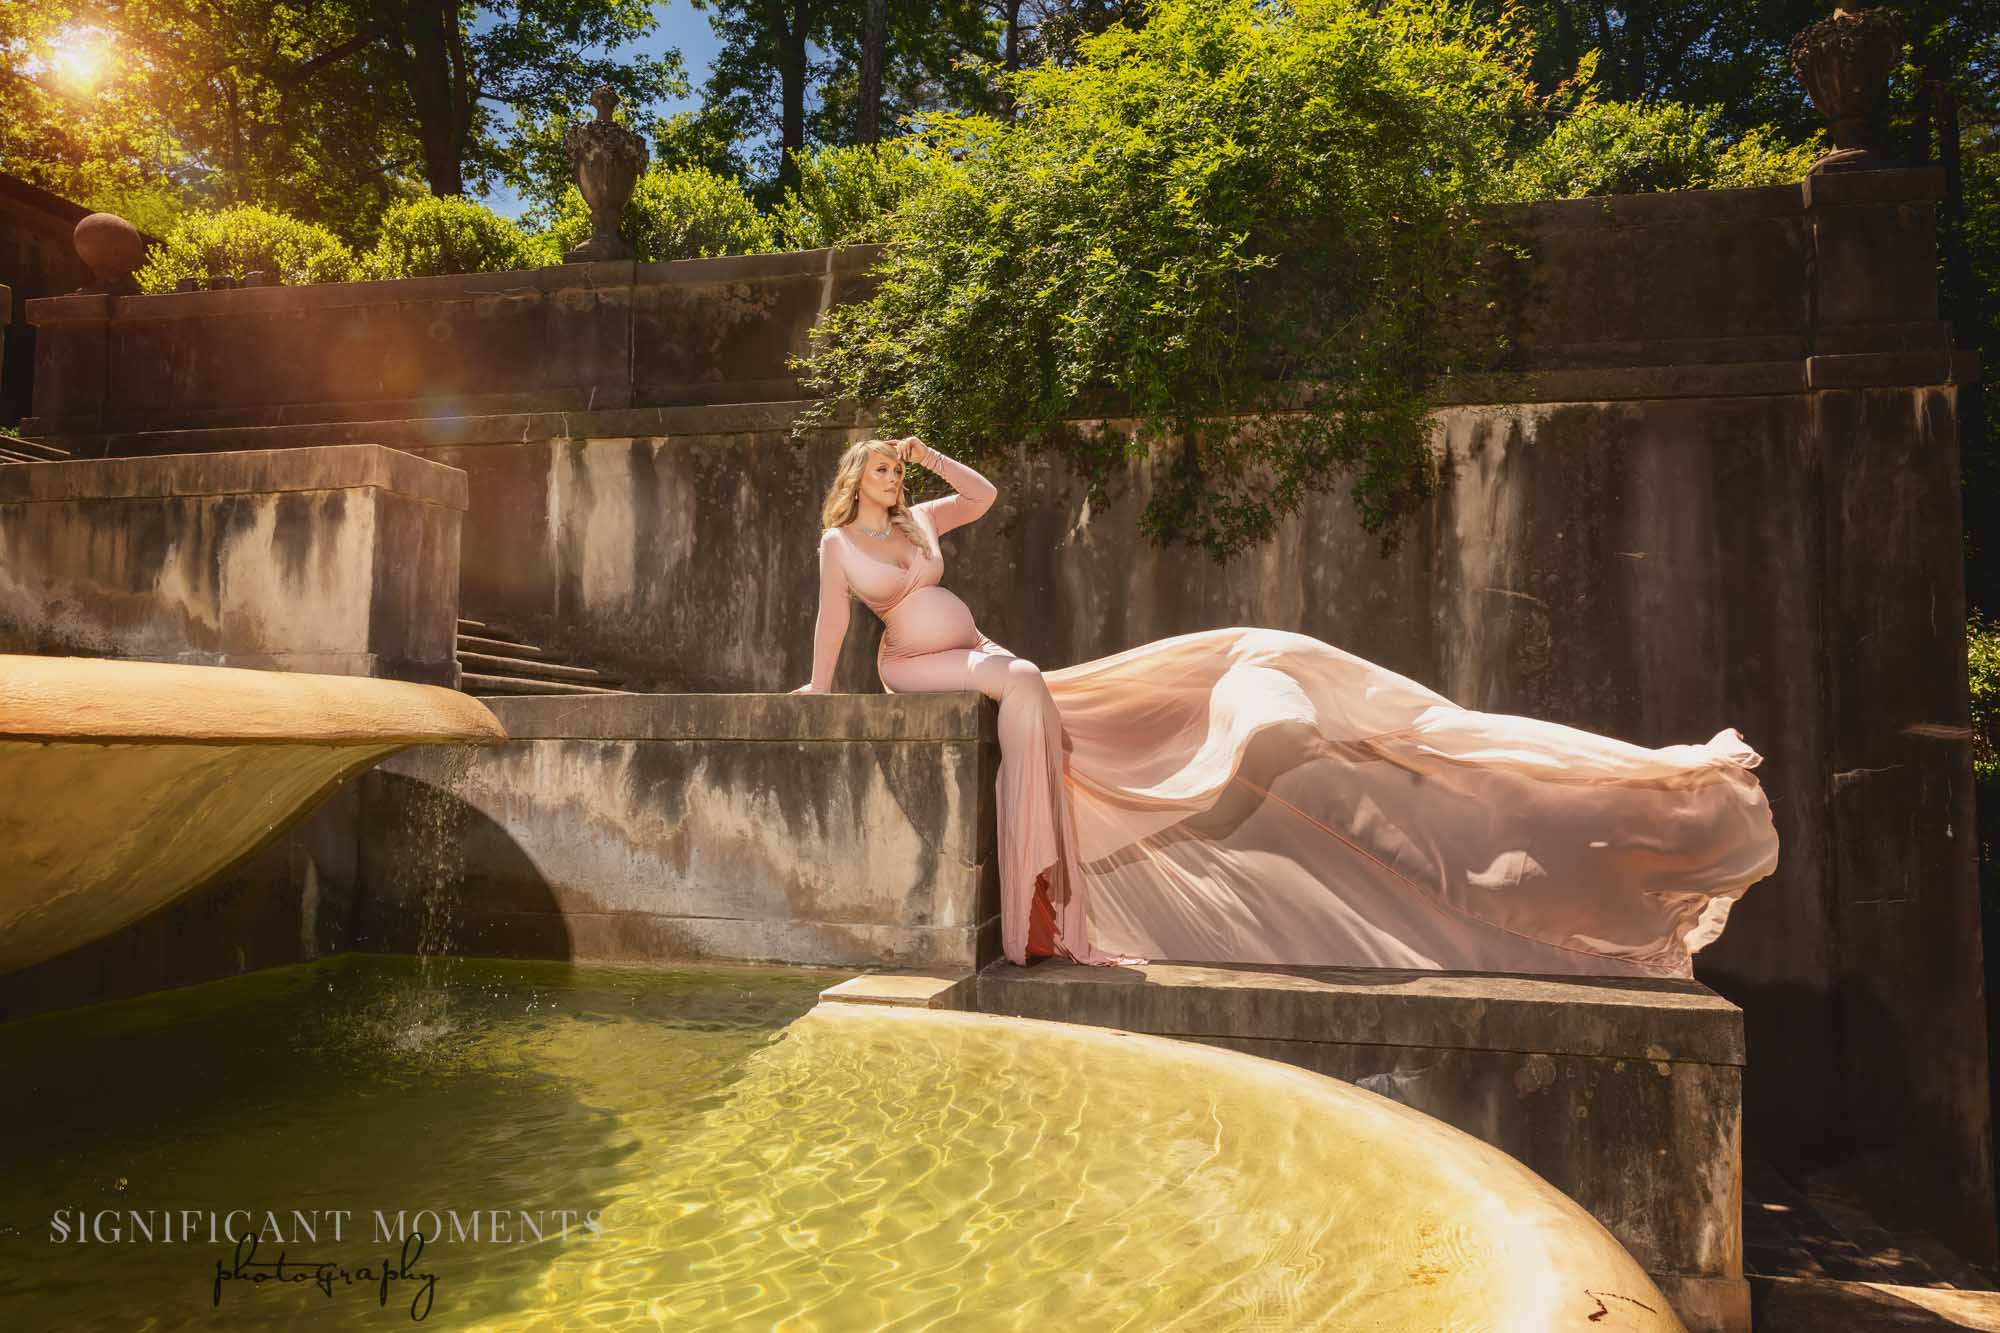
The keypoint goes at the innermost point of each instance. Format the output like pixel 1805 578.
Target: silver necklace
pixel 881 536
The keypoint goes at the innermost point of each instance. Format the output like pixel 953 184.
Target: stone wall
pixel 342 561
pixel 578 338
pixel 827 831
pixel 1719 488
pixel 36 260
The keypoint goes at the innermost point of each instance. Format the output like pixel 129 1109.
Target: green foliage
pixel 1628 147
pixel 1246 224
pixel 97 142
pixel 786 75
pixel 1762 156
pixel 1982 657
pixel 427 237
pixel 245 240
pixel 675 213
pixel 1982 654
pixel 844 194
pixel 12 432
pixel 329 111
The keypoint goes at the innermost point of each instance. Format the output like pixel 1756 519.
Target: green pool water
pixel 609 1148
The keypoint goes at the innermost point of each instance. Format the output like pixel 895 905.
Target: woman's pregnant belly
pixel 929 620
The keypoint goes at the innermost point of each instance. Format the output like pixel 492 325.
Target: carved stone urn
pixel 111 249
pixel 606 159
pixel 1844 62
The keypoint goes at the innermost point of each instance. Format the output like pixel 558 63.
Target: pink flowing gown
pixel 1257 796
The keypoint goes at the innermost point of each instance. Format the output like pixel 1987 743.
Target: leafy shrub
pixel 243 240
pixel 1982 660
pixel 675 213
pixel 1119 242
pixel 423 238
pixel 844 194
pixel 1629 147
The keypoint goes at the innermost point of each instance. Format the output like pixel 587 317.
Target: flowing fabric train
pixel 1253 795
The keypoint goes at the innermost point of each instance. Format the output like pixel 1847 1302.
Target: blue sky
pixel 682 26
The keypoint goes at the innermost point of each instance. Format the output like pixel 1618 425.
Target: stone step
pixel 496 665
pixel 480 643
pixel 33 451
pixel 477 684
pixel 14 456
pixel 498 633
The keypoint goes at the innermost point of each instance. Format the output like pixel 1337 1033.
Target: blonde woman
pixel 886 554
pixel 1257 796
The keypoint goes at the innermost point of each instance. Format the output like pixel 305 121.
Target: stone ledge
pixel 246 472
pixel 761 718
pixel 1895 185
pixel 856 841
pixel 563 416
pixel 1628 1018
pixel 926 989
pixel 614 278
pixel 407 424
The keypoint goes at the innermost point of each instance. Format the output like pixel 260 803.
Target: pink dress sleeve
pixel 830 629
pixel 974 495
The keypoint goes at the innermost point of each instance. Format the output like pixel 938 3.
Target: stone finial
pixel 1844 62
pixel 606 159
pixel 111 248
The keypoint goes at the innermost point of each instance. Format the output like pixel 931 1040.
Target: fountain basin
pixel 124 785
pixel 704 1148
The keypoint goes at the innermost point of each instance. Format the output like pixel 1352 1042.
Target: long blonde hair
pixel 843 500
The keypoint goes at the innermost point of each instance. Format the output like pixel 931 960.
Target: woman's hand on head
pixel 910 449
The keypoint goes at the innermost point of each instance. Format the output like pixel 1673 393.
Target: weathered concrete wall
pixel 1625 1095
pixel 1721 489
pixel 342 560
pixel 832 831
pixel 578 338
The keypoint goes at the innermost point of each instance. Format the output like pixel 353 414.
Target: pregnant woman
pixel 1256 796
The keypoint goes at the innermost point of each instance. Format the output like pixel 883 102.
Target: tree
pixel 329 110
pixel 94 139
pixel 874 50
pixel 1243 226
pixel 777 54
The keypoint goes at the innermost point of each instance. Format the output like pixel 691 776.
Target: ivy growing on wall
pixel 1245 229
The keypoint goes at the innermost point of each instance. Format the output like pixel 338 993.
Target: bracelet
pixel 931 462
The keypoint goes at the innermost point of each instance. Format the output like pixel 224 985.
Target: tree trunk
pixel 790 22
pixel 874 53
pixel 434 62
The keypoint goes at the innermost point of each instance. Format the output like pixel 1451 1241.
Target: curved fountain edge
pixel 86 698
pixel 133 784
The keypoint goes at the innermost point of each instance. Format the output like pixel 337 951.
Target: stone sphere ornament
pixel 111 248
pixel 1844 62
pixel 606 159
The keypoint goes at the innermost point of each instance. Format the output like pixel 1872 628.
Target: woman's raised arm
pixel 830 629
pixel 974 495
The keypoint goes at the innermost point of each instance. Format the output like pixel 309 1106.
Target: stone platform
pixel 1625 1094
pixel 341 560
pixel 831 830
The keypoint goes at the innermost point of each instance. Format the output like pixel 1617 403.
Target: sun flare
pixel 80 58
